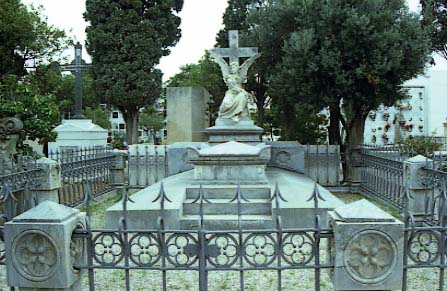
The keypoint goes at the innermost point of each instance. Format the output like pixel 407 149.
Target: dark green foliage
pixel 420 145
pixel 126 39
pixel 38 112
pixel 99 116
pixel 25 36
pixel 152 121
pixel 346 55
pixel 435 19
pixel 307 124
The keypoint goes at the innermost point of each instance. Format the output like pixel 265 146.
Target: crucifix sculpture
pixel 234 105
pixel 76 67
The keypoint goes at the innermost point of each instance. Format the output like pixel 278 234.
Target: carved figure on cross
pixel 235 103
pixel 234 52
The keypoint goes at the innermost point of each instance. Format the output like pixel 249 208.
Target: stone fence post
pixel 41 252
pixel 118 170
pixel 367 248
pixel 48 189
pixel 412 171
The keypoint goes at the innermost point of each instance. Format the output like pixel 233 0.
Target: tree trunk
pixel 131 119
pixel 354 139
pixel 261 116
pixel 334 128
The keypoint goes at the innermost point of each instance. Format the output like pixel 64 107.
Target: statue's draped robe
pixel 234 104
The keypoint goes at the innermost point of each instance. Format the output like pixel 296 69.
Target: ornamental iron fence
pixel 19 176
pixel 204 250
pixel 323 164
pixel 146 165
pixel 382 176
pixel 82 169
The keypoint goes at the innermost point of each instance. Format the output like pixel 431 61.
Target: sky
pixel 201 20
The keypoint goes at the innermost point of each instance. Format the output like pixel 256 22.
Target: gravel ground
pixel 296 280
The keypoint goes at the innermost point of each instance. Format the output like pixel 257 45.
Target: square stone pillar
pixel 41 251
pixel 49 188
pixel 118 170
pixel 187 114
pixel 367 249
pixel 412 169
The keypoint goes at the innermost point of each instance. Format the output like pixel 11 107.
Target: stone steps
pixel 221 214
pixel 229 192
pixel 227 222
pixel 224 206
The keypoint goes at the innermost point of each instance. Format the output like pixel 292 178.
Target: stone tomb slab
pixel 297 212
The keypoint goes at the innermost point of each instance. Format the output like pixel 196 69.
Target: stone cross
pixel 76 67
pixel 234 52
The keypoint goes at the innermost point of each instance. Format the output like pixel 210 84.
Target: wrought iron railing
pixel 323 164
pixel 19 176
pixel 146 165
pixel 205 250
pixel 82 170
pixel 383 178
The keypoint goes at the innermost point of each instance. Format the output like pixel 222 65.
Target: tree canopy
pixel 346 55
pixel 435 19
pixel 25 36
pixel 126 40
pixel 38 112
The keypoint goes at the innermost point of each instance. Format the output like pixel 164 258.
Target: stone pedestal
pixel 10 129
pixel 81 133
pixel 230 163
pixel 41 251
pixel 117 172
pixel 367 249
pixel 228 130
pixel 417 190
pixel 187 114
pixel 48 190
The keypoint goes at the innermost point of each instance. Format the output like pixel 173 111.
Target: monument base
pixel 227 129
pixel 80 133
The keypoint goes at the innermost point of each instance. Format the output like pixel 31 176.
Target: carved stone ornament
pixel 35 255
pixel 77 251
pixel 283 157
pixel 370 256
pixel 10 125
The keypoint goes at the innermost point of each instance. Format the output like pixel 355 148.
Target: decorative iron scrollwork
pixel 108 249
pixel 259 249
pixel 423 247
pixel 181 249
pixel 145 250
pixel 223 250
pixel 298 248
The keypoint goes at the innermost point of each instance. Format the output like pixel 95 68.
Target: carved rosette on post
pixel 10 128
pixel 42 249
pixel 367 249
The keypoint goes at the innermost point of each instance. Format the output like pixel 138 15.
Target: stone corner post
pixel 51 183
pixel 357 167
pixel 41 251
pixel 367 249
pixel 412 171
pixel 118 169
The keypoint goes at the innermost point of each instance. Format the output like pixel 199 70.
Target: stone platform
pixel 227 130
pixel 181 213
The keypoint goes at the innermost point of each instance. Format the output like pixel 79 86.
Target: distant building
pixel 118 125
pixel 422 114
